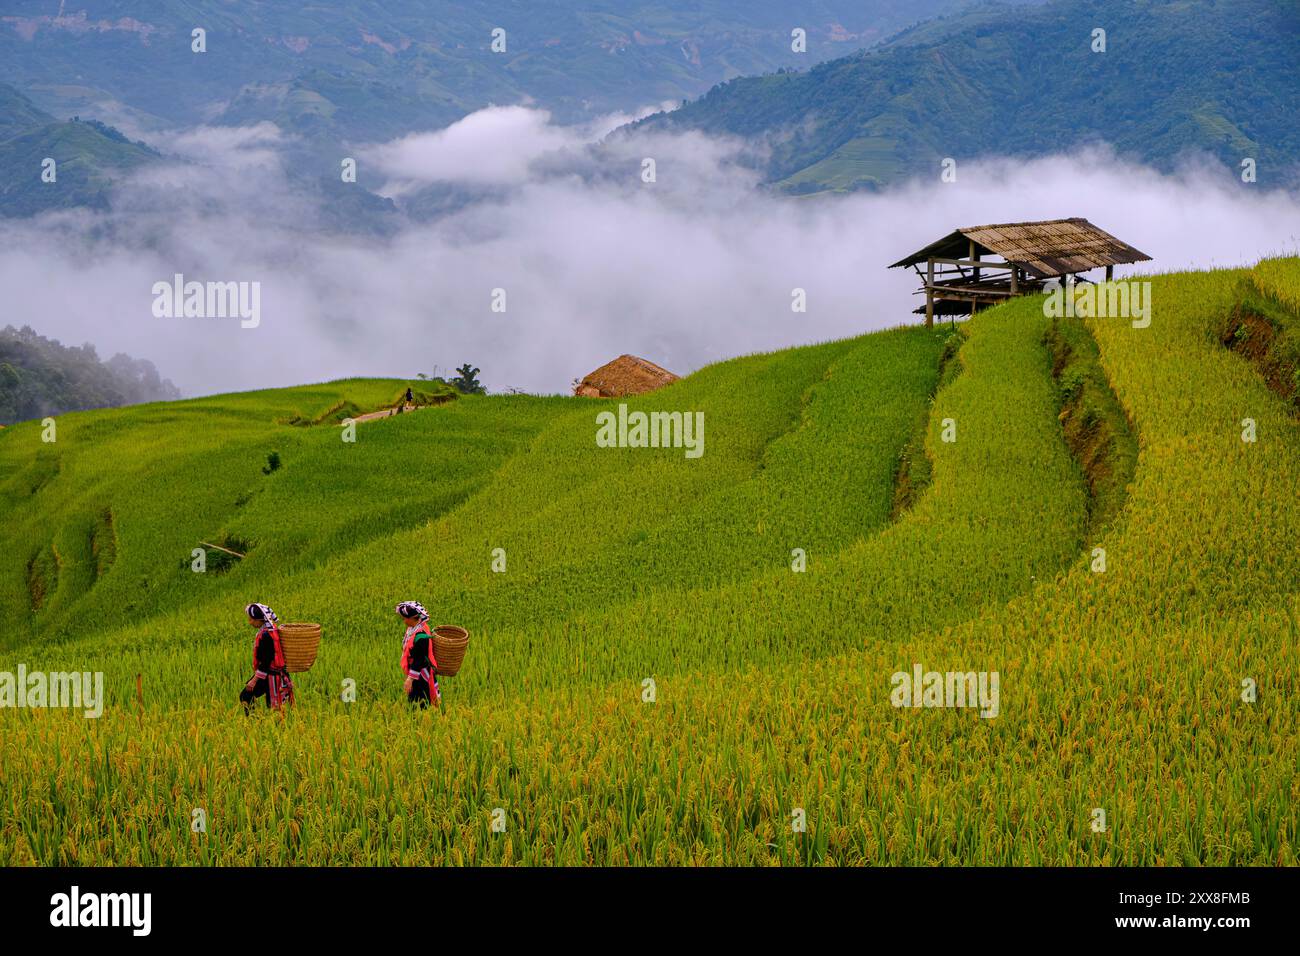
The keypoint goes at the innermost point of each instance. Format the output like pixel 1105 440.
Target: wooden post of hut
pixel 929 293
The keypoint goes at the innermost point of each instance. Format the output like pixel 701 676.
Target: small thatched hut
pixel 626 375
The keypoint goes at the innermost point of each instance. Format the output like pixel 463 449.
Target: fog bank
pixel 696 266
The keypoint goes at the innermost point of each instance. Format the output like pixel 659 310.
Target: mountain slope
pixel 19 114
pixel 363 71
pixel 1176 76
pixel 88 155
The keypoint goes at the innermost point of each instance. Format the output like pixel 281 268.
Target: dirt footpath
pixel 384 413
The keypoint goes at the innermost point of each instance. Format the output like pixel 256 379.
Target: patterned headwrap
pixel 260 612
pixel 412 609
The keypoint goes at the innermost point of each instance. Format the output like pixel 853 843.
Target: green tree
pixel 467 381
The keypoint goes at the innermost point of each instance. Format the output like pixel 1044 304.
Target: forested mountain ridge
pixel 1165 78
pixel 40 376
pixel 374 71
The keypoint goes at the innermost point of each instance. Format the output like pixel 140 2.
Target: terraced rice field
pixel 684 659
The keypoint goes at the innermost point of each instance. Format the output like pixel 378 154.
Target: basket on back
pixel 449 644
pixel 300 642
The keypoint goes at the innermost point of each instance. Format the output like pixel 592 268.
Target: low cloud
pixel 228 147
pixel 496 146
pixel 493 146
pixel 696 266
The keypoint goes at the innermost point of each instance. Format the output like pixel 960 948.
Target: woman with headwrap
pixel 270 675
pixel 417 656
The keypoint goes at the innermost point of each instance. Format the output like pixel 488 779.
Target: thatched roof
pixel 626 375
pixel 1054 247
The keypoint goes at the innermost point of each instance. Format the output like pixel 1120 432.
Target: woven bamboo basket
pixel 300 642
pixel 449 645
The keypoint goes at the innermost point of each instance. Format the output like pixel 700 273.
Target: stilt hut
pixel 961 274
